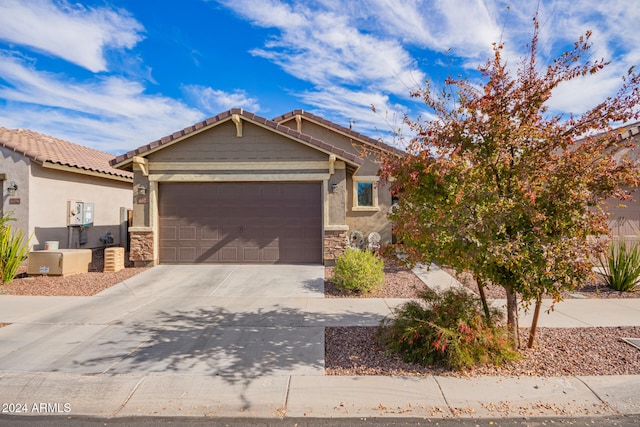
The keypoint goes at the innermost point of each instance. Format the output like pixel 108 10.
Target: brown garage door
pixel 240 222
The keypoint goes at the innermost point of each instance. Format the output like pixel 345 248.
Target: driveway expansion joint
pixel 444 397
pixel 128 398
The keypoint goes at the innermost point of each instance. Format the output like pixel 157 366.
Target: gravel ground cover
pixel 85 284
pixel 557 351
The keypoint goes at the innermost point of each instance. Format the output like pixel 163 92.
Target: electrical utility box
pixel 80 213
pixel 61 262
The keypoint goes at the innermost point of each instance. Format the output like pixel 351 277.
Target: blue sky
pixel 117 74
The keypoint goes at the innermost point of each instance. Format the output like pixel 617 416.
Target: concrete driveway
pixel 259 281
pixel 228 320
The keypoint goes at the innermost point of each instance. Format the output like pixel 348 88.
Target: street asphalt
pixel 229 341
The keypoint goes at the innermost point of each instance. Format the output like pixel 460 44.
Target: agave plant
pixel 13 250
pixel 621 267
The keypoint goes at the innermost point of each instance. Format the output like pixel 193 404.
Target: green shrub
pixel 13 250
pixel 358 271
pixel 449 329
pixel 621 267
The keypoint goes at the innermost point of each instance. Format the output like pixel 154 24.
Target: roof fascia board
pixel 65 168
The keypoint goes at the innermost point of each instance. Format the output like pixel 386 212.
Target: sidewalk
pixel 570 313
pixel 319 396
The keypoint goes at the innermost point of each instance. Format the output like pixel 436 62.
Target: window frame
pixel 374 189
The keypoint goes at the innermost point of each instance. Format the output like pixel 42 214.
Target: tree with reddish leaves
pixel 498 187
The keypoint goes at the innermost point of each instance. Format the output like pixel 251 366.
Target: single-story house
pixel 62 192
pixel 240 188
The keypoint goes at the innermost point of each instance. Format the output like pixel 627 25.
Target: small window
pixel 365 194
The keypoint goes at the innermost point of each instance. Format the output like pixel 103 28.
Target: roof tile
pixel 339 128
pixel 44 148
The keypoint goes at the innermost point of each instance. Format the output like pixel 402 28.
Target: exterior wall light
pixel 141 190
pixel 12 188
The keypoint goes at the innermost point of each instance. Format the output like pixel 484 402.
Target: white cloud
pixel 466 26
pixel 269 13
pixel 583 93
pixel 112 114
pixel 212 101
pixel 615 38
pixel 348 107
pixel 323 47
pixel 73 32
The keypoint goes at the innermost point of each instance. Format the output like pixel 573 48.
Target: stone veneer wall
pixel 335 243
pixel 141 247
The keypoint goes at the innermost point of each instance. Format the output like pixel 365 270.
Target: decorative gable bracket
pixel 141 163
pixel 235 118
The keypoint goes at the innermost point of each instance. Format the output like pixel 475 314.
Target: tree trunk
pixel 534 322
pixel 512 313
pixel 483 298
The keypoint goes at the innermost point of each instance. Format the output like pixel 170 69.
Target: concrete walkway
pixel 146 350
pixel 570 313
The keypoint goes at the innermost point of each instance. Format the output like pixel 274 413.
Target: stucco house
pixel 238 188
pixel 44 182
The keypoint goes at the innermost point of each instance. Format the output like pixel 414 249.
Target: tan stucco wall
pixel 364 221
pixel 51 189
pixel 16 167
pixel 141 203
pixel 337 197
pixel 371 162
pixel 324 134
pixel 220 144
pixel 369 221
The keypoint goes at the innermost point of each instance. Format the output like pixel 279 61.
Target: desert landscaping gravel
pixel 557 351
pixel 85 284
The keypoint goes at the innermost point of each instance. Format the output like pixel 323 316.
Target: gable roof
pixel 340 129
pixel 126 159
pixel 58 154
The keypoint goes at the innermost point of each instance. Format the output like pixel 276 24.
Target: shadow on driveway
pixel 235 346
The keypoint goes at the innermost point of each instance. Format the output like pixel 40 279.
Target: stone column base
pixel 141 248
pixel 335 243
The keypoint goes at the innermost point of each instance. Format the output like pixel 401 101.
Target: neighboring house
pixel 624 219
pixel 238 188
pixel 41 175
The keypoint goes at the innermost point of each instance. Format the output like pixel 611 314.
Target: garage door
pixel 240 222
